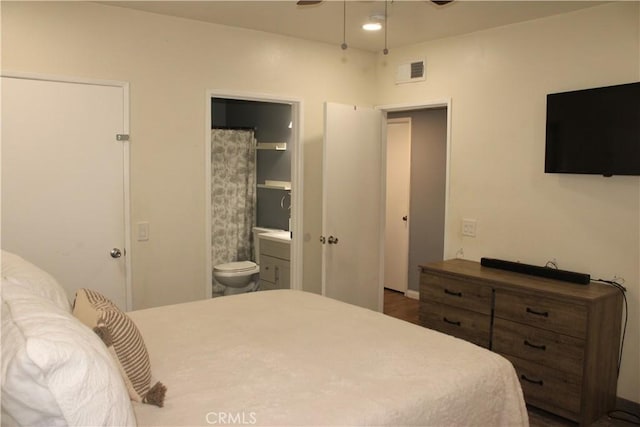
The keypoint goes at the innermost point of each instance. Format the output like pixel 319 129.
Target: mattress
pixel 287 357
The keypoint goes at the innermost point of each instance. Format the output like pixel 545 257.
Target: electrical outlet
pixel 469 227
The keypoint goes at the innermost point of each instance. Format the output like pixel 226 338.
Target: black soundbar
pixel 534 270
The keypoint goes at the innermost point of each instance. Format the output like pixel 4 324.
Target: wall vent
pixel 413 71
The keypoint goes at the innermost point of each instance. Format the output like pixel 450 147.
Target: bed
pixel 279 357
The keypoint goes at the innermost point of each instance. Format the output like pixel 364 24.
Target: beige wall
pixel 497 81
pixel 170 63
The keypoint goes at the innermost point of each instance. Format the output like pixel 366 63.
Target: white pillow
pixel 19 271
pixel 55 370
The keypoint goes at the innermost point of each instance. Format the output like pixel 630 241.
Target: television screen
pixel 594 131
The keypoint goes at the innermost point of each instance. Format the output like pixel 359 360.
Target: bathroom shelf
pixel 276 185
pixel 277 146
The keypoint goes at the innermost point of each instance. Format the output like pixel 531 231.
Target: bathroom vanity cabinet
pixel 274 263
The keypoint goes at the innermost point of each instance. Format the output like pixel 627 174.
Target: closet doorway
pixel 427 190
pixel 359 279
pixel 264 180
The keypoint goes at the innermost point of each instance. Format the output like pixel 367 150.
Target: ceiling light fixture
pixel 372 26
pixel 374 23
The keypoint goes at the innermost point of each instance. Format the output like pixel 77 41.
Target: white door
pixel 396 239
pixel 63 182
pixel 352 205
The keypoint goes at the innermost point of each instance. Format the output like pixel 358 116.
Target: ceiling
pixel 409 21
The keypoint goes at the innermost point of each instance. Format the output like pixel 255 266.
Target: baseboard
pixel 410 293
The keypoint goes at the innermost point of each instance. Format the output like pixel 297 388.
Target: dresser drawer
pixel 455 292
pixel 549 389
pixel 547 348
pixel 465 324
pixel 541 312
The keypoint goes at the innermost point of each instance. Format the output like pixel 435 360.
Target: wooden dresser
pixel 562 338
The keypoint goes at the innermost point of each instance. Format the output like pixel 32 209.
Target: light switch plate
pixel 142 231
pixel 469 227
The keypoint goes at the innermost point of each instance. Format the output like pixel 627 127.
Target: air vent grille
pixel 410 72
pixel 417 70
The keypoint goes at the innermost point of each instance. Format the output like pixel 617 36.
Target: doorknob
pixel 115 253
pixel 330 240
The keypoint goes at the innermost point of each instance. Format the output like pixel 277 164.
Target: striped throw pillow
pixel 124 342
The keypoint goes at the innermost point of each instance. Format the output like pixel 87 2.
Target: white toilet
pixel 241 276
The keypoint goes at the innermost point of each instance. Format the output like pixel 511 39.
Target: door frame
pixel 128 249
pixel 392 108
pixel 297 162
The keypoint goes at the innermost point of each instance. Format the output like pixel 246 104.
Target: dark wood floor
pixel 399 306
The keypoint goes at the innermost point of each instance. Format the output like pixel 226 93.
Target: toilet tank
pixel 256 241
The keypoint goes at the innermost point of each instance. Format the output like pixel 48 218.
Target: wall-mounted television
pixel 594 131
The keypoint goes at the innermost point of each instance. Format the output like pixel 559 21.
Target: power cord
pixel 617 283
pixel 623 290
pixel 629 417
pixel 619 414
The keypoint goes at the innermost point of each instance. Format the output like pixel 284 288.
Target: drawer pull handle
pixel 538 313
pixel 539 347
pixel 538 382
pixel 451 322
pixel 455 294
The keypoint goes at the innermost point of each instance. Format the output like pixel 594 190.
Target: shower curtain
pixel 233 186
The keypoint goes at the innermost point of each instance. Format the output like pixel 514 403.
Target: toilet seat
pixel 236 267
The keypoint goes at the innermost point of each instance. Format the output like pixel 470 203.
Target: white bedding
pixel 293 358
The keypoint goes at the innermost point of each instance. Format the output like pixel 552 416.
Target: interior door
pixel 398 170
pixel 63 182
pixel 352 205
